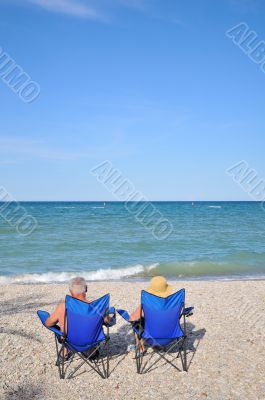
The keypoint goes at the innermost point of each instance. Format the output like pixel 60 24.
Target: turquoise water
pixel 224 240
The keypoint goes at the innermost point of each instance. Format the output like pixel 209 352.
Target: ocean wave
pixel 98 275
pixel 206 268
pixel 178 270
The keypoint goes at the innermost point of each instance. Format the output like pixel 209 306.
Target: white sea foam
pixel 99 275
pixel 64 207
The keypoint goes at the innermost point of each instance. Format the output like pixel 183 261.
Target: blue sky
pixel 156 87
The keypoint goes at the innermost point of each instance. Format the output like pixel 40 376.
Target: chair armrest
pixel 136 324
pixel 188 311
pixel 112 310
pixel 124 314
pixel 43 316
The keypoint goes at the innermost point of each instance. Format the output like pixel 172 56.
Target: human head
pixel 77 286
pixel 159 287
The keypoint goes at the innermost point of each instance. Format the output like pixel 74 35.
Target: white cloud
pixel 85 9
pixel 92 9
pixel 71 7
pixel 103 11
pixel 99 10
pixel 14 149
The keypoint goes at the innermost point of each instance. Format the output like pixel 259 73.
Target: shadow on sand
pixel 120 340
pixel 23 304
pixel 22 392
pixel 194 338
pixel 117 351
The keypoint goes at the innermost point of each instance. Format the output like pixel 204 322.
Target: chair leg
pixel 105 368
pixel 63 372
pixel 58 353
pixel 185 355
pixel 107 349
pixel 141 361
pixel 138 355
pixel 184 346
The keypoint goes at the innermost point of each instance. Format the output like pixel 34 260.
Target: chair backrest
pixel 162 317
pixel 85 320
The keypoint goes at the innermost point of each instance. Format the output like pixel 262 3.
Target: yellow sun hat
pixel 159 287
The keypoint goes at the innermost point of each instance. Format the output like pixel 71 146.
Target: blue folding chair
pixel 84 333
pixel 160 328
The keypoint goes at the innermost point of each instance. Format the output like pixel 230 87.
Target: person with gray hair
pixel 77 286
pixel 77 289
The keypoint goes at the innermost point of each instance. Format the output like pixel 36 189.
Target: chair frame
pixel 179 343
pixel 61 343
pixel 161 351
pixel 93 365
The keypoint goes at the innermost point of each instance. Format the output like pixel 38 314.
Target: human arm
pixel 53 319
pixel 136 314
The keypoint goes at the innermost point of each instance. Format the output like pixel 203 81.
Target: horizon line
pixel 129 201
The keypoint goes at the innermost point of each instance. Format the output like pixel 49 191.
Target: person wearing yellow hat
pixel 158 287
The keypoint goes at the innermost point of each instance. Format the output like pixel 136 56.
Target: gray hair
pixel 77 285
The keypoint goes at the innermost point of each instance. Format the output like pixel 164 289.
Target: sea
pixel 105 241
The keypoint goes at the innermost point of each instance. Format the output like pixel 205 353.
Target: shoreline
pixel 225 278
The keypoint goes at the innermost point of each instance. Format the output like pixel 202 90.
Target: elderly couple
pixel 78 290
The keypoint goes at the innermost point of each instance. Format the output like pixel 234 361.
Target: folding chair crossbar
pixel 84 360
pixel 162 355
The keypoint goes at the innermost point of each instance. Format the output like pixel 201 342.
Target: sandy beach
pixel 225 352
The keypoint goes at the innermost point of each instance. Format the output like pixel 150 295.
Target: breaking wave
pixel 178 270
pixel 98 275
